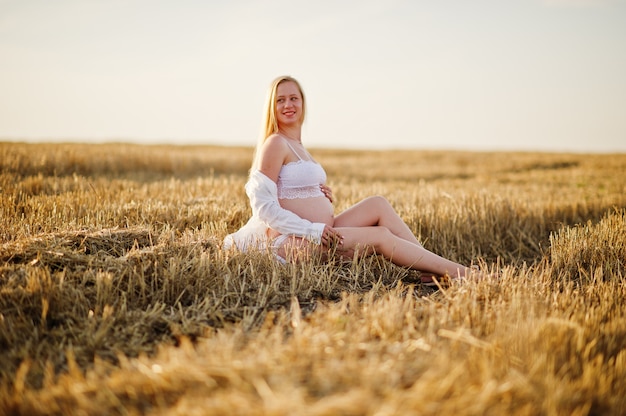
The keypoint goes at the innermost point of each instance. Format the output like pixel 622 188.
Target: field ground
pixel 116 297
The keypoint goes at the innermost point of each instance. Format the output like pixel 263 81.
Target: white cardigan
pixel 267 213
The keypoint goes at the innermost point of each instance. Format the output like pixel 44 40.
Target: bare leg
pixel 375 210
pixel 380 240
pixel 296 249
pixel 372 225
pixel 399 251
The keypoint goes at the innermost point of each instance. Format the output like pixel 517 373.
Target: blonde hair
pixel 270 123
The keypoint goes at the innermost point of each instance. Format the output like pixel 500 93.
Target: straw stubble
pixel 116 297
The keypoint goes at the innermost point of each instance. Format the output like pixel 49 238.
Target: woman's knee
pixel 378 202
pixel 378 199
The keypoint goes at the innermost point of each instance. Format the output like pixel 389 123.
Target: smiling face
pixel 289 108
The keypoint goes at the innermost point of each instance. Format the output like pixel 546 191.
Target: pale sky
pixel 432 74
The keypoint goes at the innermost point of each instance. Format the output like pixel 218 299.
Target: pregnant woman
pixel 292 208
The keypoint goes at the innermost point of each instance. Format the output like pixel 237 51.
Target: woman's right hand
pixel 331 237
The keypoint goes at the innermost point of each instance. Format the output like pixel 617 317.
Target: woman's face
pixel 288 104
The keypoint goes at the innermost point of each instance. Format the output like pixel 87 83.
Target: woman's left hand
pixel 328 193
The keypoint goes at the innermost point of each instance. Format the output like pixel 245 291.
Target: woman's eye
pixel 280 100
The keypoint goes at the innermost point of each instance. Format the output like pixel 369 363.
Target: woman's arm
pixel 263 195
pixel 273 155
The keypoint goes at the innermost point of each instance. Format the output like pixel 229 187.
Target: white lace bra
pixel 300 179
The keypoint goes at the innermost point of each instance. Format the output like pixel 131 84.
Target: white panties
pixel 275 244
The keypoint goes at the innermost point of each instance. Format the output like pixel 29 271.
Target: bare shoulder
pixel 275 141
pixel 275 146
pixel 273 155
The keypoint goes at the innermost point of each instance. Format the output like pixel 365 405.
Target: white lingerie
pixel 301 179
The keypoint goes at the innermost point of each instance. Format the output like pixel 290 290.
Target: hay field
pixel 115 297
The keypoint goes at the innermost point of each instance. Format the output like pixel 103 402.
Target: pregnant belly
pixel 318 209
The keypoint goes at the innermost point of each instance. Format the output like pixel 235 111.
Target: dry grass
pixel 115 297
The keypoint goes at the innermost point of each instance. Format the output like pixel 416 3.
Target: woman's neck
pixel 292 133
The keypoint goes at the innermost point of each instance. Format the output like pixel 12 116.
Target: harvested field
pixel 116 297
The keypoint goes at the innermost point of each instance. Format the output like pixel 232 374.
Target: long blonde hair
pixel 270 123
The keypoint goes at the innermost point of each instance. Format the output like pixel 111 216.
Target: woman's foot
pixel 434 280
pixel 472 273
